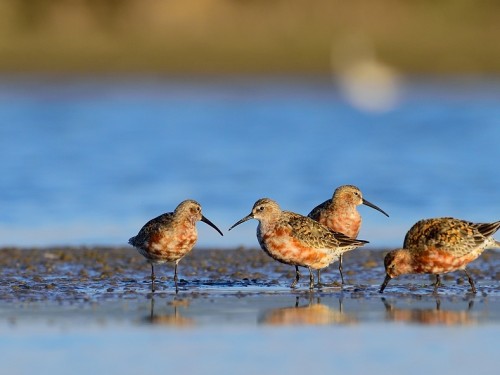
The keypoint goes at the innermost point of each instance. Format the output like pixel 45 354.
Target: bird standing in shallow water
pixel 440 245
pixel 169 237
pixel 297 240
pixel 340 214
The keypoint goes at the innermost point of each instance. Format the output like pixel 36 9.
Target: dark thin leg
pixel 320 284
pixel 311 279
pixel 437 283
pixel 297 277
pixel 471 282
pixel 176 278
pixel 340 269
pixel 384 284
pixel 153 278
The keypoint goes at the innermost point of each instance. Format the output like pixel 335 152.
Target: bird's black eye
pixel 261 208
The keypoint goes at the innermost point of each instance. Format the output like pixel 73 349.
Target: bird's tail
pixel 488 229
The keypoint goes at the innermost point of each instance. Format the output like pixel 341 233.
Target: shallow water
pixel 253 332
pixel 106 348
pixel 83 310
pixel 90 160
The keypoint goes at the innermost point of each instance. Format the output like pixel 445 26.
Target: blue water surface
pixel 89 160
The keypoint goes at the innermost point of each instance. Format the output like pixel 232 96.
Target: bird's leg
pixel 340 269
pixel 319 284
pixel 297 277
pixel 176 278
pixel 311 279
pixel 471 281
pixel 153 278
pixel 333 284
pixel 437 283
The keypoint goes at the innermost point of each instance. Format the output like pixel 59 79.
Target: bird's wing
pixel 316 211
pixel 314 234
pixel 153 225
pixel 448 234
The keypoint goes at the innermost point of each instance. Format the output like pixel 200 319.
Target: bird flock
pixel 431 246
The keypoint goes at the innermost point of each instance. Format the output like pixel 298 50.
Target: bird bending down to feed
pixel 340 214
pixel 440 245
pixel 169 237
pixel 297 240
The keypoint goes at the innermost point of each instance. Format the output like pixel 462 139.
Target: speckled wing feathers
pixel 316 235
pixel 456 236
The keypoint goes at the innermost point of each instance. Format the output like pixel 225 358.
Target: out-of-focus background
pixel 247 36
pixel 113 111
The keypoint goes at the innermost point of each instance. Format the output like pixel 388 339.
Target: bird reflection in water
pixel 430 316
pixel 314 313
pixel 174 318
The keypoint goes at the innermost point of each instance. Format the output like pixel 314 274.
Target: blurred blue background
pixel 88 161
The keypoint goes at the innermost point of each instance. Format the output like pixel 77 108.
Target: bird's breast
pixel 437 261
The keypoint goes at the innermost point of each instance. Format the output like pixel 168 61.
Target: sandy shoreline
pixel 100 272
pixel 89 274
pixel 74 287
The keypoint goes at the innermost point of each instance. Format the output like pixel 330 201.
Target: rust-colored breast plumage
pixel 437 261
pixel 343 218
pixel 279 243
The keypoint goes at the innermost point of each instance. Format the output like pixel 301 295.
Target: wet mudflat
pixel 84 310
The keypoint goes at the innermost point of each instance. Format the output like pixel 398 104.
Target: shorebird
pixel 340 214
pixel 297 240
pixel 169 237
pixel 440 245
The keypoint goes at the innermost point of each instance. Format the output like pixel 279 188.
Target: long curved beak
pixel 205 220
pixel 366 203
pixel 384 284
pixel 246 218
